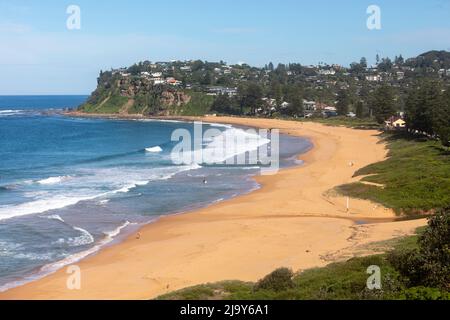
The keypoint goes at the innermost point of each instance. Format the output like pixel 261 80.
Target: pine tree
pixel 343 102
pixel 383 103
pixel 360 109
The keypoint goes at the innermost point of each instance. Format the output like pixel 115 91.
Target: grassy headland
pixel 414 179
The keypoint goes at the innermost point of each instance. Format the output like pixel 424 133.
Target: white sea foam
pixel 83 240
pixel 87 186
pixel 54 217
pixel 54 180
pixel 154 149
pixel 112 234
pixel 122 180
pixel 38 206
pixel 10 112
pixel 218 149
pixel 53 267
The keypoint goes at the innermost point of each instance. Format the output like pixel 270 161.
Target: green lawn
pixel 112 105
pixel 416 176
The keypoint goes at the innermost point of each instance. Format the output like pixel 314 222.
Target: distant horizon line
pixel 43 95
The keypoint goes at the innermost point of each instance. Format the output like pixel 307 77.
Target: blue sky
pixel 39 55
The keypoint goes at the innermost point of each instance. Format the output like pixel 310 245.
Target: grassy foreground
pixel 416 176
pixel 338 281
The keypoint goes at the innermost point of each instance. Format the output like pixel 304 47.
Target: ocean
pixel 69 186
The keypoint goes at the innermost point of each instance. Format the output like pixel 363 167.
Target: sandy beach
pixel 292 221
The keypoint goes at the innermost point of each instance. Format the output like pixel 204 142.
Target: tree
pixel 385 65
pixel 441 119
pixel 399 60
pixel 134 70
pixel 343 102
pixel 207 79
pixel 429 265
pixel 276 92
pixel 294 96
pixel 360 109
pixel 221 104
pixel 363 62
pixel 422 107
pixel 250 97
pixel 383 103
pixel 356 68
pixel 271 67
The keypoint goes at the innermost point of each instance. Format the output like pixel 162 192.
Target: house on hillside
pixel 309 105
pixel 395 123
pixel 373 78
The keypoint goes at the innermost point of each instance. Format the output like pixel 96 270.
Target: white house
pixel 327 72
pixel 284 105
pixel 373 78
pixel 309 105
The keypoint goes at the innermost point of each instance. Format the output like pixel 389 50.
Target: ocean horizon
pixel 69 186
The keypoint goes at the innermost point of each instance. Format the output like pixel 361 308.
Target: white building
pixel 373 78
pixel 327 72
pixel 309 105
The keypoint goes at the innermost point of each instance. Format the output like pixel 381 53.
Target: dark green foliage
pixel 424 293
pixel 343 103
pixel 360 110
pixel 250 96
pixel 429 265
pixel 279 280
pixel 428 110
pixel 383 103
pixel 223 105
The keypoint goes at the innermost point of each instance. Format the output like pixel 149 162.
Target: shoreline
pixel 206 233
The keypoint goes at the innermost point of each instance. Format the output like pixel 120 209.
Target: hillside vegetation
pixel 415 177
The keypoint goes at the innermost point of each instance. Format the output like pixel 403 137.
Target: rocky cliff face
pixel 176 98
pixel 135 95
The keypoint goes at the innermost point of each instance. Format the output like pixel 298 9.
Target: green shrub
pixel 424 293
pixel 279 280
pixel 430 264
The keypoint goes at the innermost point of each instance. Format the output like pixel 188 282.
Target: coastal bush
pixel 424 293
pixel 429 265
pixel 199 105
pixel 278 280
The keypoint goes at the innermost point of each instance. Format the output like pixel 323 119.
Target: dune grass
pixel 416 176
